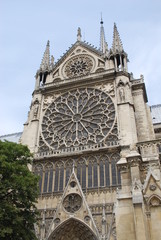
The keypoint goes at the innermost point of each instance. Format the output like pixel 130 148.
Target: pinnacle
pixel 79 35
pixel 117 43
pixel 45 63
pixel 103 43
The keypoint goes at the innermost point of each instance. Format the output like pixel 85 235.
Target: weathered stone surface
pixel 94 146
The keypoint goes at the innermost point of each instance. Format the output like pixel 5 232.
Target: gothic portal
pixel 90 129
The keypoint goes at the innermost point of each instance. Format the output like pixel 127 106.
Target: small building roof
pixel 14 137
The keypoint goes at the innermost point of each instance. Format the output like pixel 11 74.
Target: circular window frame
pixel 73 60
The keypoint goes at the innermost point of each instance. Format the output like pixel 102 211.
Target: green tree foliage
pixel 18 193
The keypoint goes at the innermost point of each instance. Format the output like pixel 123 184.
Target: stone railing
pixel 76 79
pixel 98 208
pixel 79 149
pixel 150 148
pixel 137 81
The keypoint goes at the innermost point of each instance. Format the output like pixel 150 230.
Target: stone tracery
pixel 78 65
pixel 79 117
pixel 72 202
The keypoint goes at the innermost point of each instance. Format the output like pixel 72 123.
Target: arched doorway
pixel 72 229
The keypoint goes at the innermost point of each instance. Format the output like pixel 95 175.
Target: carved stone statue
pixel 122 94
pixel 35 108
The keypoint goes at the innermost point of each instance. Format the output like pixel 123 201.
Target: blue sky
pixel 25 27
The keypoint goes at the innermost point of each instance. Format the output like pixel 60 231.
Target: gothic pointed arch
pixel 59 176
pixel 48 178
pixel 154 201
pixel 81 172
pixel 38 170
pixel 73 229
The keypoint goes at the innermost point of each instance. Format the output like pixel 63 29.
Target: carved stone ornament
pixel 80 117
pixel 155 201
pixel 35 108
pixel 134 162
pixel 108 88
pixel 57 221
pixel 123 167
pixel 152 187
pixel 78 65
pixel 72 202
pixel 87 218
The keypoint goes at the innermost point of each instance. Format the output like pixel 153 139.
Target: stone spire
pixel 117 44
pixel 79 35
pixel 103 43
pixel 45 63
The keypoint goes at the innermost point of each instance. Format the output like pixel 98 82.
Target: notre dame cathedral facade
pixel 95 150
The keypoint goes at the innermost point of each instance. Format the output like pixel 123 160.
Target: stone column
pixel 134 160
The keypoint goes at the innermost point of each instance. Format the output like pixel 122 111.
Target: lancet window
pixel 99 171
pixel 92 173
pixel 48 178
pixel 39 171
pixel 81 172
pixel 59 176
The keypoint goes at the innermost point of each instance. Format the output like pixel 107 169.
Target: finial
pixel 103 43
pixel 79 36
pixel 101 19
pixel 45 63
pixel 142 77
pixel 52 60
pixel 117 44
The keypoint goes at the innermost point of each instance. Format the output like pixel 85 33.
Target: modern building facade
pixel 95 149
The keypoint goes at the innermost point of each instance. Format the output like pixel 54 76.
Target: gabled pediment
pixel 73 205
pixel 151 184
pixel 80 60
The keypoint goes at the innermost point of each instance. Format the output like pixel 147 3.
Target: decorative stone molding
pixel 154 201
pixel 123 168
pixel 98 208
pixel 144 167
pixel 48 99
pixel 149 148
pixel 137 81
pixel 136 185
pixel 108 88
pixel 49 213
pixel 134 162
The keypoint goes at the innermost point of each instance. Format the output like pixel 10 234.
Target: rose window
pixel 78 66
pixel 72 202
pixel 78 117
